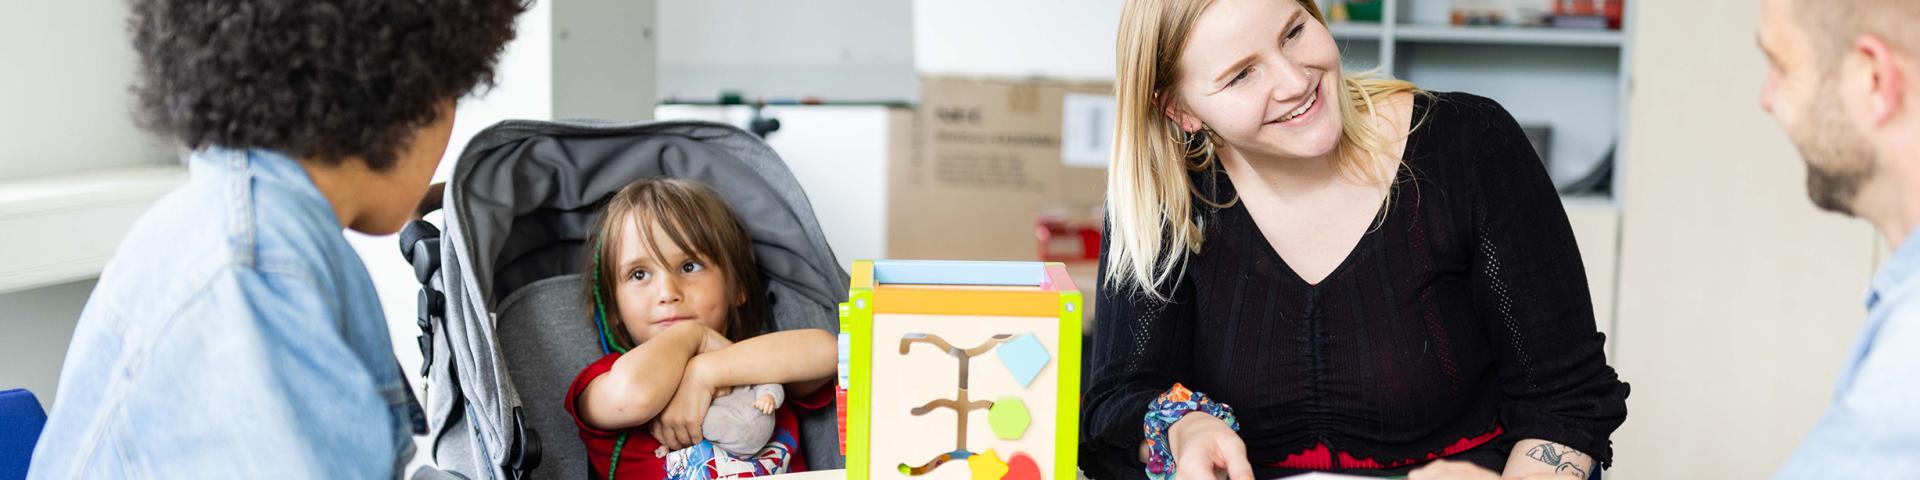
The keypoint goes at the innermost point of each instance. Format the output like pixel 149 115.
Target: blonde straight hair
pixel 1149 192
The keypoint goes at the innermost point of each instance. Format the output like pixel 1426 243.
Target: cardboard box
pixel 986 166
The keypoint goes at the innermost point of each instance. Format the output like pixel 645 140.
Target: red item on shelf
pixel 1612 10
pixel 1061 241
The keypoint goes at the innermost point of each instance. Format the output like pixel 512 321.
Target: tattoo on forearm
pixel 1564 460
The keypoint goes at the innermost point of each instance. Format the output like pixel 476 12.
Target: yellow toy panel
pixel 960 371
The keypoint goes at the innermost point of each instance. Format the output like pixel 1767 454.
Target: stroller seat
pixel 504 327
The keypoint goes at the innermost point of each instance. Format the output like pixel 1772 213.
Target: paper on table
pixel 1330 476
pixel 812 475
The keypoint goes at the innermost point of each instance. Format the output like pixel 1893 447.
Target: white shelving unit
pixel 1508 36
pixel 1571 80
pixel 1356 30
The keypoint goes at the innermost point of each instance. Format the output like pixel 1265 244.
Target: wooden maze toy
pixel 960 370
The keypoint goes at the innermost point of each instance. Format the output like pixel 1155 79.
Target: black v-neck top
pixel 1458 326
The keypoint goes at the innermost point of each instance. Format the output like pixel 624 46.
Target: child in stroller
pixel 680 304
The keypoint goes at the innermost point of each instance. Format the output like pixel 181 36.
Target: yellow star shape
pixel 987 466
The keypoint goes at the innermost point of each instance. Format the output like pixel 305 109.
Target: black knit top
pixel 1459 326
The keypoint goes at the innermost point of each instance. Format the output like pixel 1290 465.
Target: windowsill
pixel 64 228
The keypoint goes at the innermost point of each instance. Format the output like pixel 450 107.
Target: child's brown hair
pixel 696 220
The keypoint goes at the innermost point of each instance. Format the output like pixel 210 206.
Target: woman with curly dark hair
pixel 235 332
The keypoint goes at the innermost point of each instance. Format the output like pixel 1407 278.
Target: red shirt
pixel 637 461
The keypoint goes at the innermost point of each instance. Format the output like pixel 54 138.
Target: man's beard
pixel 1838 160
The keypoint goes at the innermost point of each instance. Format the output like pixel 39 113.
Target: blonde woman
pixel 1307 270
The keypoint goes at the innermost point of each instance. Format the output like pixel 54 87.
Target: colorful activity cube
pixel 960 371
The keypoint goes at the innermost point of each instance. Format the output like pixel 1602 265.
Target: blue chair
pixel 20 422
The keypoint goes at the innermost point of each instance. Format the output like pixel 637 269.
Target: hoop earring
pixel 1194 144
pixel 1179 136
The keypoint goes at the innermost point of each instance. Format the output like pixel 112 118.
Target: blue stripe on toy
pixel 937 272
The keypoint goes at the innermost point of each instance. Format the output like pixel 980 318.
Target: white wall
pixel 64 99
pixel 1061 39
pixel 834 49
pixel 1738 300
pixel 875 49
pixel 38 325
pixel 523 85
pixel 603 59
pixel 65 108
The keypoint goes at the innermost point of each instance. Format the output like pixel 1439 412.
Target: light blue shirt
pixel 1872 430
pixel 235 334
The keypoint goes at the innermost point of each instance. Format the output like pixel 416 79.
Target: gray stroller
pixel 503 328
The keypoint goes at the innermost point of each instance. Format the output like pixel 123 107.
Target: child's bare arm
pixel 643 380
pixel 806 355
pixel 803 360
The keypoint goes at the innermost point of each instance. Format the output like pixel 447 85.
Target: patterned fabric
pixel 1176 403
pixel 704 462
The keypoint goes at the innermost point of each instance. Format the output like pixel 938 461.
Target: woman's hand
pixel 1204 446
pixel 678 426
pixel 1452 470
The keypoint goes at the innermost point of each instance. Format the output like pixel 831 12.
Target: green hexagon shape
pixel 1009 418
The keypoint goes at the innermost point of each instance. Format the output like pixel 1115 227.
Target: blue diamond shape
pixel 1024 357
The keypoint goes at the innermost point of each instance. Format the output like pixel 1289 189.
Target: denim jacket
pixel 234 334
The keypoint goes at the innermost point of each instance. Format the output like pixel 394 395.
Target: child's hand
pixel 660 452
pixel 765 404
pixel 679 424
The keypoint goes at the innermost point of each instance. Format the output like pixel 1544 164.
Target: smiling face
pixel 657 284
pixel 1264 76
pixel 1802 96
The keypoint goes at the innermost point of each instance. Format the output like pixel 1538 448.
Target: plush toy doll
pixel 740 426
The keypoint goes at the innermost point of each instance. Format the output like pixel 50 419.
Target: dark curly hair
pixel 321 80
